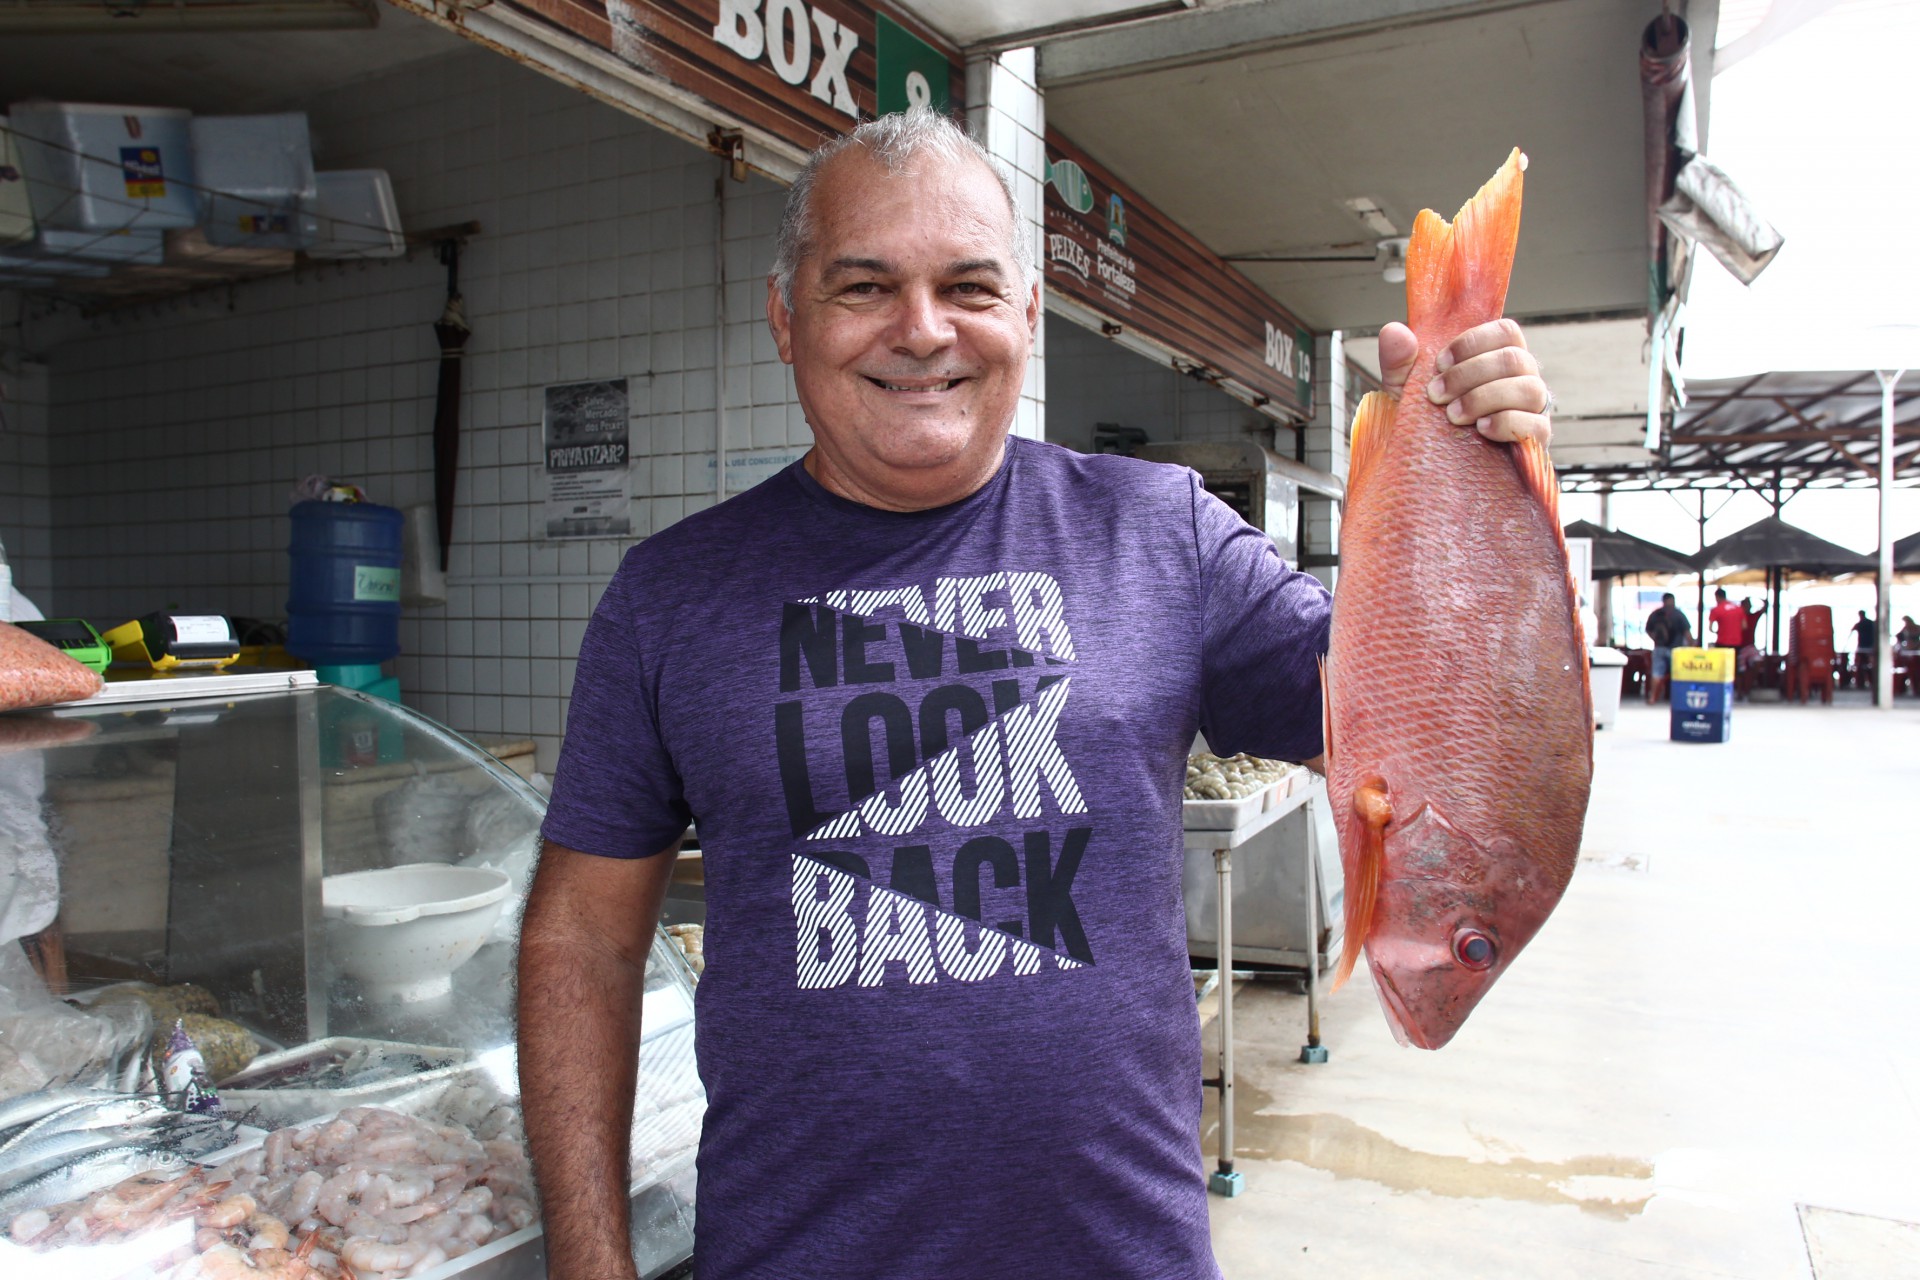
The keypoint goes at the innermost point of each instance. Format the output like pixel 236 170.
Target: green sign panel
pixel 374 582
pixel 909 72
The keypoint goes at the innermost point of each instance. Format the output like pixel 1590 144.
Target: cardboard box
pixel 1703 666
pixel 1700 726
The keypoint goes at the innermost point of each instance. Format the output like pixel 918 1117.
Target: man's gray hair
pixel 893 140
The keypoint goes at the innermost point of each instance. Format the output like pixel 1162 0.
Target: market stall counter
pixel 256 997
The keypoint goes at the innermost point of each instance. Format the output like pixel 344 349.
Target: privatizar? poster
pixel 586 463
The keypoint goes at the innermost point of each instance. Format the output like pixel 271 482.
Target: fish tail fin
pixel 1367 442
pixel 1457 273
pixel 1371 805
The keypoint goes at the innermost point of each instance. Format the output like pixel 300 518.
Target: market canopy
pixel 1780 430
pixel 1772 543
pixel 1906 552
pixel 1616 554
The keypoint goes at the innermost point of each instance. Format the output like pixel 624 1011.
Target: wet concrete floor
pixel 1706 1065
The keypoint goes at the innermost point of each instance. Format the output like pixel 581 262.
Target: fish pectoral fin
pixel 1375 811
pixel 1367 442
pixel 1326 709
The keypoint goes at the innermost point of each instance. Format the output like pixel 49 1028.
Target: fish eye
pixel 1474 949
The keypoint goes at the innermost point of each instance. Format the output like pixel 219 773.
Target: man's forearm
pixel 579 1034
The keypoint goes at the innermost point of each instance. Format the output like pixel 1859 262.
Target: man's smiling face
pixel 909 331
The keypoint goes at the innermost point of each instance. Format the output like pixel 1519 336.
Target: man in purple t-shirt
pixel 928 694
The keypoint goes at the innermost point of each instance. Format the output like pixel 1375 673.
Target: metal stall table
pixel 1290 896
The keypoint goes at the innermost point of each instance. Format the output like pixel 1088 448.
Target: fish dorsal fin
pixel 1372 422
pixel 1457 273
pixel 1375 811
pixel 1536 472
pixel 1535 466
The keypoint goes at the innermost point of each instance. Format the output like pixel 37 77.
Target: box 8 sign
pixel 795 41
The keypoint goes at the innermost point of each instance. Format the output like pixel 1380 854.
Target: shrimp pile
pixel 369 1194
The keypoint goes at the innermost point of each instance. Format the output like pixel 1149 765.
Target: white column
pixel 1007 113
pixel 1326 449
pixel 1883 638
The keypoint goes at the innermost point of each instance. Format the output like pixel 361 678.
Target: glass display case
pixel 256 996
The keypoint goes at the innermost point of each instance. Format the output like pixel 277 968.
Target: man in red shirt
pixel 1728 620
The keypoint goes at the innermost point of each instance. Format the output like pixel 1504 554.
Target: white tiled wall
pixel 177 431
pixel 1092 379
pixel 26 509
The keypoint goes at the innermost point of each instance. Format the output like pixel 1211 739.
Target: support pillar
pixel 1326 441
pixel 1007 114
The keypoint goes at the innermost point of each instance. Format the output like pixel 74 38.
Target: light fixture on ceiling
pixel 101 17
pixel 1393 259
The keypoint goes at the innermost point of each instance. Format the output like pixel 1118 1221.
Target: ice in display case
pixel 318 892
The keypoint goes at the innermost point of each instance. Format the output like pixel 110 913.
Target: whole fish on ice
pixel 1459 719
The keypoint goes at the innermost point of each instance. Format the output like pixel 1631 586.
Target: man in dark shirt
pixel 1667 628
pixel 1863 634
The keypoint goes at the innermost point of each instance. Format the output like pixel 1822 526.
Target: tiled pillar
pixel 1007 113
pixel 1326 451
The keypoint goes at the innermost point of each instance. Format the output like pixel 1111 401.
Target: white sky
pixel 1822 130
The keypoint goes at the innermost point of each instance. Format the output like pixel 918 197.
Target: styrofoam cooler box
pixel 354 216
pixel 21 268
pixel 254 172
pixel 92 167
pixel 16 211
pixel 131 245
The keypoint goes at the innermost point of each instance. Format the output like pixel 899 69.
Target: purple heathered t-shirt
pixel 936 758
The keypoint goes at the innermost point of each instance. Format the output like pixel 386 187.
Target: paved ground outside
pixel 1706 1065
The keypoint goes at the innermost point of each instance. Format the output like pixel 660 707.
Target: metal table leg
pixel 1224 1180
pixel 1313 1051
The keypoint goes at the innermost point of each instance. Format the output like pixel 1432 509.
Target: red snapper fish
pixel 1459 719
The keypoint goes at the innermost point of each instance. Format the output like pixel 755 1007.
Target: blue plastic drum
pixel 344 607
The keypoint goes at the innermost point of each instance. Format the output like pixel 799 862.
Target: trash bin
pixel 1606 669
pixel 1702 692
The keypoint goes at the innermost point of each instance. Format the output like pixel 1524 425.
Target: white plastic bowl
pixel 402 931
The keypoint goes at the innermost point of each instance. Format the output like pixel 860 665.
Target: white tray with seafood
pixel 369 1192
pixel 1225 794
pixel 433 1187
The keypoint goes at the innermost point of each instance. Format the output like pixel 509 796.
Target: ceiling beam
pixel 1217 32
pixel 1791 437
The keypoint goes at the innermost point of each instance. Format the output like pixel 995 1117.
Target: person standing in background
pixel 1863 632
pixel 1667 628
pixel 1908 637
pixel 1728 620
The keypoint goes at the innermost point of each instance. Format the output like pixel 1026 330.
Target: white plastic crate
pixel 16 211
pixel 353 216
pixel 254 172
pixel 91 167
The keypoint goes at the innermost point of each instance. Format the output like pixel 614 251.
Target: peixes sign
pixel 1113 253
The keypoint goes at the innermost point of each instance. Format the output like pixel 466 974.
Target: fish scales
pixel 1458 703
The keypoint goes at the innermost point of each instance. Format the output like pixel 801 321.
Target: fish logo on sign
pixel 1070 180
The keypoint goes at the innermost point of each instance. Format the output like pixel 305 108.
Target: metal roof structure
pixel 1777 432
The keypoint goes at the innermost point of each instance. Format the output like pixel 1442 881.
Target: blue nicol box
pixel 1700 695
pixel 1700 726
